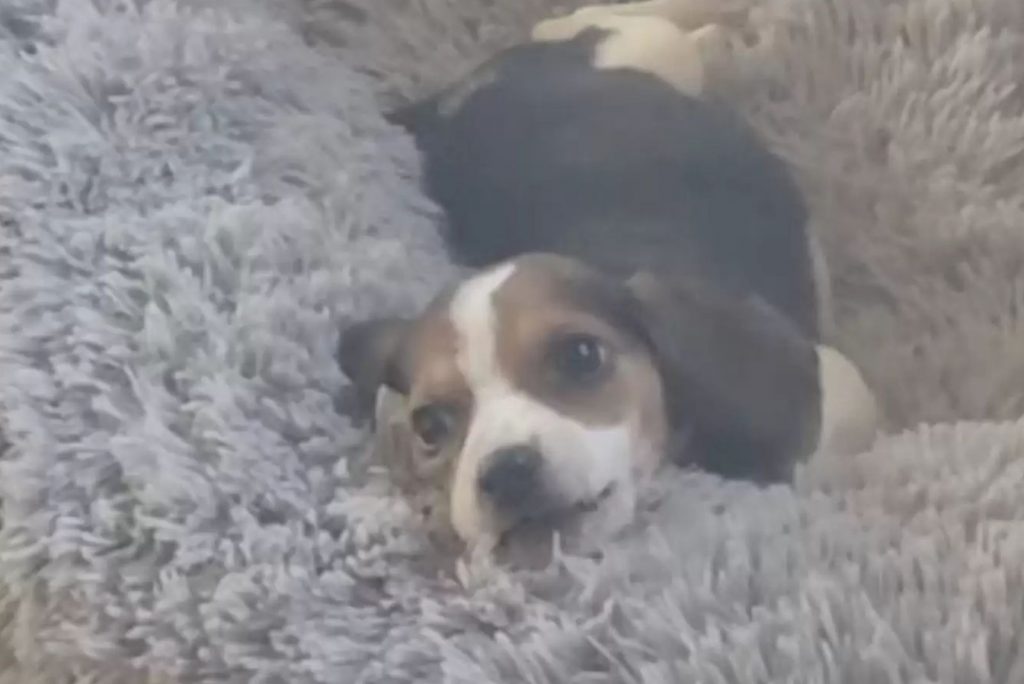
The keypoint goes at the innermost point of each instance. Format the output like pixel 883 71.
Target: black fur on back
pixel 543 152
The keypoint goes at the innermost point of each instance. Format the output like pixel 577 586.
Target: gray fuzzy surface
pixel 195 196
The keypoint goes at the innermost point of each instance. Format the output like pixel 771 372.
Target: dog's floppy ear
pixel 737 376
pixel 370 354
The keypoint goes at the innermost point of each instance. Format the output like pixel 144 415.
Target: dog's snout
pixel 510 477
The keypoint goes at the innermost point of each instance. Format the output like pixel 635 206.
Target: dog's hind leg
pixel 687 15
pixel 652 45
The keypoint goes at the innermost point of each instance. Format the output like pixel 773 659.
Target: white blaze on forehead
pixel 579 460
pixel 475 322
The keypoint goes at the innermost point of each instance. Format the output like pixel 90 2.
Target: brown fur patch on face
pixel 424 486
pixel 549 298
pixel 427 364
pixel 430 361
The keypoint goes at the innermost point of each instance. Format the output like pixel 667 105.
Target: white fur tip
pixel 849 410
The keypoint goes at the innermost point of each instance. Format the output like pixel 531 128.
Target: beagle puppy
pixel 646 287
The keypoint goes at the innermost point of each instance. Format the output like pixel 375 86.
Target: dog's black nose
pixel 510 477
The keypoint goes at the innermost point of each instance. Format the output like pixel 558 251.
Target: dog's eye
pixel 579 357
pixel 433 424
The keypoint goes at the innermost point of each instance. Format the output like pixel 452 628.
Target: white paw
pixel 849 410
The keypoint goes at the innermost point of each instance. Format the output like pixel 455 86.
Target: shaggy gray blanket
pixel 195 196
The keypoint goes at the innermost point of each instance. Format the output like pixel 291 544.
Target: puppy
pixel 646 287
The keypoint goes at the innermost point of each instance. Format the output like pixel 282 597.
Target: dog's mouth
pixel 562 519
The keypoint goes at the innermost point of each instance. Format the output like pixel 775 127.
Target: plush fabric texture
pixel 195 196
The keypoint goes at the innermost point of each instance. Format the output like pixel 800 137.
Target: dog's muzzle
pixel 513 484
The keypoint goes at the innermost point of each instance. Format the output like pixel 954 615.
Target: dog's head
pixel 532 396
pixel 541 392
